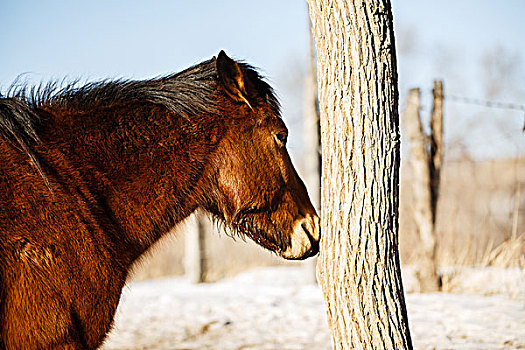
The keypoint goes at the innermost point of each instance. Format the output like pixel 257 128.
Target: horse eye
pixel 281 138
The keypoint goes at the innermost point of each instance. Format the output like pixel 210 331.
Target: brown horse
pixel 92 176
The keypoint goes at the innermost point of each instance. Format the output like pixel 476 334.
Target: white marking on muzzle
pixel 305 233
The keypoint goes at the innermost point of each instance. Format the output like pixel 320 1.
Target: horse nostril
pixel 304 225
pixel 310 225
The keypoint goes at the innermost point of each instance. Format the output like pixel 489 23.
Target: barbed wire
pixel 488 104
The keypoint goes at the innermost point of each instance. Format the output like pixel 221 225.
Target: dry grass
pixel 481 215
pixel 508 253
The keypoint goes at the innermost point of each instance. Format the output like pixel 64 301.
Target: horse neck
pixel 146 168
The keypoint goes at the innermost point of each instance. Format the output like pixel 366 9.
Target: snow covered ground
pixel 271 308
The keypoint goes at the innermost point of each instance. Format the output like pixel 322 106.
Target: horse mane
pixel 185 93
pixel 189 92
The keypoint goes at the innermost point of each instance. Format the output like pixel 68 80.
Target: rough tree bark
pixel 359 269
pixel 426 157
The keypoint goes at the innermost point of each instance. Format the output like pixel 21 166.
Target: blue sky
pixel 144 38
pixel 141 39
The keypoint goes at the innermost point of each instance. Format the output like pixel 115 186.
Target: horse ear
pixel 232 78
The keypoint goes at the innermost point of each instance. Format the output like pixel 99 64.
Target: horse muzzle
pixel 304 242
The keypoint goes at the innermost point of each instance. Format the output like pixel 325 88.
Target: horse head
pixel 256 189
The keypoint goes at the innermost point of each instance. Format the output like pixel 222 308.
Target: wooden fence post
pixel 436 144
pixel 194 254
pixel 426 162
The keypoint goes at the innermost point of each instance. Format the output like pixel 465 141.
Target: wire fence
pixel 488 104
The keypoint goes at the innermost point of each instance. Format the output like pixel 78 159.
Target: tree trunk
pixel 359 269
pixel 425 168
pixel 312 135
